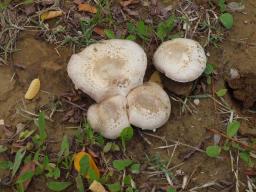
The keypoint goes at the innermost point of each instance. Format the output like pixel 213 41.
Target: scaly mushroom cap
pixel 149 106
pixel 181 59
pixel 108 68
pixel 109 117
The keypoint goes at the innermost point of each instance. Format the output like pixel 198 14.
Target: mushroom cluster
pixel 112 72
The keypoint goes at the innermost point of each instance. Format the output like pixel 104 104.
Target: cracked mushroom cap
pixel 109 117
pixel 108 68
pixel 149 106
pixel 180 59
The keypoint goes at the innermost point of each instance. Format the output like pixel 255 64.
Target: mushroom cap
pixel 108 68
pixel 180 59
pixel 149 106
pixel 109 117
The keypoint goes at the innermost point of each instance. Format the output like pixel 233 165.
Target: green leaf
pixel 92 174
pixel 18 159
pixel 107 147
pixel 222 5
pixel 64 149
pixel 142 30
pixel 41 126
pixel 232 128
pixel 84 164
pixel 171 189
pixel 28 2
pixel 131 37
pixel 221 92
pixel 209 69
pixel 24 177
pixel 58 186
pixel 245 156
pixel 110 34
pixel 121 164
pixel 127 134
pixel 79 183
pixel 213 151
pixel 161 31
pixel 3 148
pixel 135 168
pixel 5 165
pixel 165 27
pixel 227 20
pixel 127 180
pixel 116 187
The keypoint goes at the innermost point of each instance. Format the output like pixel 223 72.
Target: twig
pixel 230 138
pixel 74 104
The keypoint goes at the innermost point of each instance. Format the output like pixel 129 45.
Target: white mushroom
pixel 108 68
pixel 181 59
pixel 149 106
pixel 109 117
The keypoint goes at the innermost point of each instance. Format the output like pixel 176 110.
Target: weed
pixel 164 28
pixel 126 135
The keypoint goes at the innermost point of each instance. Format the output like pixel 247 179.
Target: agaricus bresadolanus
pixel 109 117
pixel 180 59
pixel 108 68
pixel 149 106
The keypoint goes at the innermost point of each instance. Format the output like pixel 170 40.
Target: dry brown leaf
pixel 128 2
pixel 50 15
pixel 87 8
pixel 99 31
pixel 30 166
pixel 78 2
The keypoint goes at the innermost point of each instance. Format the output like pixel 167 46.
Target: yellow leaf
pixel 87 8
pixel 97 187
pixel 50 15
pixel 155 77
pixel 77 159
pixel 33 89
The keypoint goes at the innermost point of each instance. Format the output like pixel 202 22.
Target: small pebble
pixel 196 101
pixel 234 74
pixel 1 122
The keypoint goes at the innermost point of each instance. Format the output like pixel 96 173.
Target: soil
pixel 36 58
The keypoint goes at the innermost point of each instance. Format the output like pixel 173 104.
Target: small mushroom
pixel 108 68
pixel 109 117
pixel 149 106
pixel 180 59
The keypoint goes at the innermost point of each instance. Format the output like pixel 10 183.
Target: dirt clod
pixel 244 89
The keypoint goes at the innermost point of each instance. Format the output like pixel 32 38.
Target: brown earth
pixel 39 59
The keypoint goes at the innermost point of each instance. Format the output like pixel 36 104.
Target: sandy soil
pixel 36 58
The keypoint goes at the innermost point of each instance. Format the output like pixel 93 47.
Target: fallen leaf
pixel 77 159
pixel 131 12
pixel 99 31
pixel 33 89
pixel 29 9
pixel 47 2
pixel 97 187
pixel 236 6
pixel 78 2
pixel 7 130
pixel 87 8
pixel 29 167
pixel 155 77
pixel 50 15
pixel 128 2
